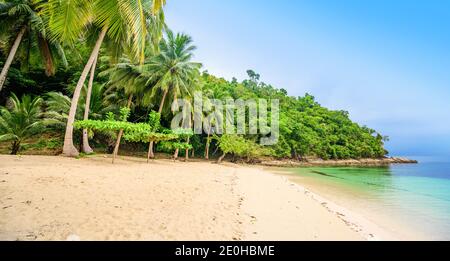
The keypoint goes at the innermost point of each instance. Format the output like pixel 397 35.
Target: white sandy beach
pixel 56 198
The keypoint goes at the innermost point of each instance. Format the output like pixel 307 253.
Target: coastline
pixel 337 163
pixel 373 226
pixel 296 194
pixel 55 198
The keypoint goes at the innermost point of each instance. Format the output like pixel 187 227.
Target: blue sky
pixel 386 62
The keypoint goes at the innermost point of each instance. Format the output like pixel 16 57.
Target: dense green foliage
pixel 133 132
pixel 306 128
pixel 142 74
pixel 180 143
pixel 21 120
pixel 241 147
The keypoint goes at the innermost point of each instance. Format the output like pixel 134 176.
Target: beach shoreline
pixel 372 225
pixel 56 198
pixel 287 163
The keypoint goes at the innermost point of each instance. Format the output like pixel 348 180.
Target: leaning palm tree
pixel 116 52
pixel 99 105
pixel 171 74
pixel 23 119
pixel 86 147
pixel 58 104
pixel 20 22
pixel 118 19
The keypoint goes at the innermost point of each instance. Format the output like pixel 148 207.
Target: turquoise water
pixel 415 196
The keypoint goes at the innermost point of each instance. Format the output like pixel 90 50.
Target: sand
pixel 56 198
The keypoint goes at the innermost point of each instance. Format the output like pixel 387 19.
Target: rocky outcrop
pixel 348 162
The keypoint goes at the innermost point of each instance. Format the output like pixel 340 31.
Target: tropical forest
pixel 100 76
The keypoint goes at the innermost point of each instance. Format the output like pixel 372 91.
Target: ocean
pixel 411 201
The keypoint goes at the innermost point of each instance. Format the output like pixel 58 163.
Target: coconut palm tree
pixel 124 78
pixel 116 18
pixel 59 104
pixel 171 73
pixel 155 25
pixel 100 103
pixel 86 147
pixel 22 119
pixel 20 22
pixel 211 122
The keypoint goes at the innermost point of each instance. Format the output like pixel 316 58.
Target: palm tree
pixel 86 147
pixel 124 77
pixel 171 72
pixel 23 119
pixel 20 21
pixel 116 18
pixel 155 25
pixel 100 103
pixel 211 123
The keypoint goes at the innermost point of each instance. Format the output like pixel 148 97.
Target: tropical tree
pixel 171 72
pixel 23 119
pixel 86 147
pixel 206 118
pixel 19 22
pixel 116 18
pixel 123 54
pixel 58 106
pixel 124 77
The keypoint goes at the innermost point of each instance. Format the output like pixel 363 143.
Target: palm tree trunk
pixel 207 149
pixel 208 142
pixel 68 149
pixel 119 136
pixel 11 55
pixel 187 141
pixel 161 106
pixel 46 56
pixel 86 148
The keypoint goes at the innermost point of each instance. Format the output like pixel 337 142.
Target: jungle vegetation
pixel 96 75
